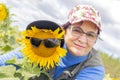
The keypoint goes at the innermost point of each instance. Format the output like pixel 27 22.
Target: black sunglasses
pixel 49 43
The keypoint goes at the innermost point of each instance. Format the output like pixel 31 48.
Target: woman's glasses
pixel 77 32
pixel 49 43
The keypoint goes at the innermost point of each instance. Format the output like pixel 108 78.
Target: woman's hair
pixel 66 25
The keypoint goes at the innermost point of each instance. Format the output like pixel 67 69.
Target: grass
pixel 112 65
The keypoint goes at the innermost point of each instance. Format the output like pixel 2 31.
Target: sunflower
pixel 41 55
pixel 3 12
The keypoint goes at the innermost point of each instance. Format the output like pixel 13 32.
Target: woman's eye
pixel 91 34
pixel 78 30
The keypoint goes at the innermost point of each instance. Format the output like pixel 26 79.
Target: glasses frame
pixel 96 35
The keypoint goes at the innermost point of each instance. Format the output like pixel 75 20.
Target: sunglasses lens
pixel 50 43
pixel 35 42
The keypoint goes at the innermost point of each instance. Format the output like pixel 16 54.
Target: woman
pixel 81 62
pixel 82 30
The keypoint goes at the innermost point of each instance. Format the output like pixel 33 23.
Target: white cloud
pixel 111 39
pixel 114 11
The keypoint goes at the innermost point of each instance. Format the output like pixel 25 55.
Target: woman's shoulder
pixel 94 59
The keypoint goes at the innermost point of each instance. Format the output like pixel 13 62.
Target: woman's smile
pixel 79 46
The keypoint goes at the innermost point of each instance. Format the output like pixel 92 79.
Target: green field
pixel 112 65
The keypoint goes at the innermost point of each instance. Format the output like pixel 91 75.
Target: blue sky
pixel 27 11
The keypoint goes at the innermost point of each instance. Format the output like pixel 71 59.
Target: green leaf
pixel 7 48
pixel 7 71
pixel 45 73
pixel 11 61
pixel 10 79
pixel 11 40
pixel 14 60
pixel 19 75
pixel 19 62
pixel 36 69
pixel 26 74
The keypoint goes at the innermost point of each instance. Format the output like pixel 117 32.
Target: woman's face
pixel 80 38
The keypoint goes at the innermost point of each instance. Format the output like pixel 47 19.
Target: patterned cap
pixel 83 13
